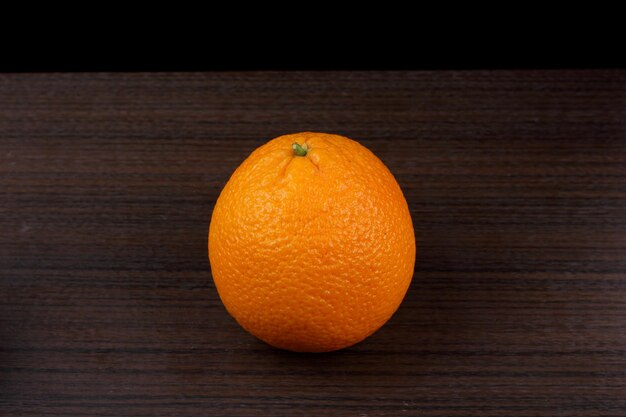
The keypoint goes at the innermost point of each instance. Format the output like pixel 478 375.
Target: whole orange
pixel 311 243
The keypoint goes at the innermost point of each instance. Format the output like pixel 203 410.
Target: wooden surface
pixel 516 181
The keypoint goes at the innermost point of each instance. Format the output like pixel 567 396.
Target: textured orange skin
pixel 312 253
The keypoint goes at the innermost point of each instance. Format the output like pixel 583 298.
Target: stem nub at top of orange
pixel 311 243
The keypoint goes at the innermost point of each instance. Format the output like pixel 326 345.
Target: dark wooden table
pixel 516 181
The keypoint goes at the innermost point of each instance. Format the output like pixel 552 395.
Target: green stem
pixel 299 150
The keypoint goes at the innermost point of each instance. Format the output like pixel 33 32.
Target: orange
pixel 311 243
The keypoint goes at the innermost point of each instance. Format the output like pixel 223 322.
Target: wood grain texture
pixel 516 181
